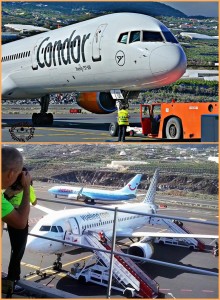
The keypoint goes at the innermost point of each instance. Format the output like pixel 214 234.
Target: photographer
pixel 18 237
pixel 12 164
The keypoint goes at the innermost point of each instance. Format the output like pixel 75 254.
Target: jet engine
pixel 97 102
pixel 139 249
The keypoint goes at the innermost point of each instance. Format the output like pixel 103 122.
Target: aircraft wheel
pixel 132 133
pixel 57 266
pixel 50 119
pixel 34 118
pixel 113 129
pixel 174 129
pixel 82 279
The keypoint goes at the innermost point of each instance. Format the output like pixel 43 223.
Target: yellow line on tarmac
pixel 53 271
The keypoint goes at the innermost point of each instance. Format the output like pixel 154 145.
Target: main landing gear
pixel 57 265
pixel 43 118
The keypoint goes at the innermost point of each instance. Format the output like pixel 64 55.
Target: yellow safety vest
pixel 123 117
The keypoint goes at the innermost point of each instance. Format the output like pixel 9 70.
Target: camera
pixel 16 186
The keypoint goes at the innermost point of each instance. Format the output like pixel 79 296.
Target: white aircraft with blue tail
pixel 128 192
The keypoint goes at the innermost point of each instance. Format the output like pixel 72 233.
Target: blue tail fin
pixel 132 185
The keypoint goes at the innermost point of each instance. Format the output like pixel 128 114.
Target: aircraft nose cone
pixel 168 63
pixel 32 244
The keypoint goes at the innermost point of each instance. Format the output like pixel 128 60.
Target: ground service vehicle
pixel 174 120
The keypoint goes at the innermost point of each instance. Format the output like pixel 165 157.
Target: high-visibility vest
pixel 123 117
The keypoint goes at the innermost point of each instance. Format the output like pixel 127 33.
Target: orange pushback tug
pixel 174 120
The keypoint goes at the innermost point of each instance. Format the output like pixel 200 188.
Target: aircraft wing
pixel 173 235
pixel 44 209
pixel 26 28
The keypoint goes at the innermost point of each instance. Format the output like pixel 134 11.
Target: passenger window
pixel 54 229
pixel 135 36
pixel 123 38
pixel 45 228
pixel 150 36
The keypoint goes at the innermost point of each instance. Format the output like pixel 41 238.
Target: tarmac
pixel 172 282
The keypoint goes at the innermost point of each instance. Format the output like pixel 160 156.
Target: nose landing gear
pixel 57 265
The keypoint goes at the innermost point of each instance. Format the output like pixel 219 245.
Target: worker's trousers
pixel 121 132
pixel 18 239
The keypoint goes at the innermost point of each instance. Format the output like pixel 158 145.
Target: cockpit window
pixel 151 36
pixel 60 228
pixel 169 37
pixel 45 228
pixel 135 36
pixel 123 38
pixel 54 229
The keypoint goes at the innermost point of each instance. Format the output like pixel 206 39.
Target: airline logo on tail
pixel 133 189
pixel 131 186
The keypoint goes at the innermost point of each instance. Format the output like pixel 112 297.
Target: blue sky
pixel 208 9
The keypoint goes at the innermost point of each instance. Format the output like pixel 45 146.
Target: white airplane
pixel 74 225
pixel 108 58
pixel 128 192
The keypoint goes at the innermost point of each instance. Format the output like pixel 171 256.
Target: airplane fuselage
pixel 95 194
pixel 119 51
pixel 76 221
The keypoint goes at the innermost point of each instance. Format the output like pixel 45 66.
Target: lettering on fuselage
pixel 94 216
pixel 71 50
pixel 63 190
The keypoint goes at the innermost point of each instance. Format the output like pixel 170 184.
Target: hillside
pixel 149 8
pixel 90 164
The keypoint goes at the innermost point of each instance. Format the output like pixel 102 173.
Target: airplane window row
pixel 51 228
pixel 111 221
pixel 16 56
pixel 146 36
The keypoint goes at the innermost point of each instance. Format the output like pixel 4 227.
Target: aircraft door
pixel 96 44
pixel 74 225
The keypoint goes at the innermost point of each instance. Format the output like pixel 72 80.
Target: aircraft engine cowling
pixel 139 249
pixel 97 102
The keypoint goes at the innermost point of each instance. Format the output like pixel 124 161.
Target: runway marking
pixel 183 290
pixel 50 271
pixel 207 291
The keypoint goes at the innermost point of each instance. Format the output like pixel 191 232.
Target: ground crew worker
pixel 122 123
pixel 12 164
pixel 18 237
pixel 102 237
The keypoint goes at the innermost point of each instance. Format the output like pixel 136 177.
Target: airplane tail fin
pixel 131 186
pixel 150 196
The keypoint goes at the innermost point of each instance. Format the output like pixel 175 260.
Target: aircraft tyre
pixel 113 129
pixel 42 119
pixel 82 279
pixel 174 129
pixel 57 266
pixel 132 133
pixel 129 293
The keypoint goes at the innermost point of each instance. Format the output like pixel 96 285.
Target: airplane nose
pixel 32 244
pixel 168 62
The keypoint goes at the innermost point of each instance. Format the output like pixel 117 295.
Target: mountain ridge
pixel 149 8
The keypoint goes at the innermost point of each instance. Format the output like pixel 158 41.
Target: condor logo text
pixel 72 50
